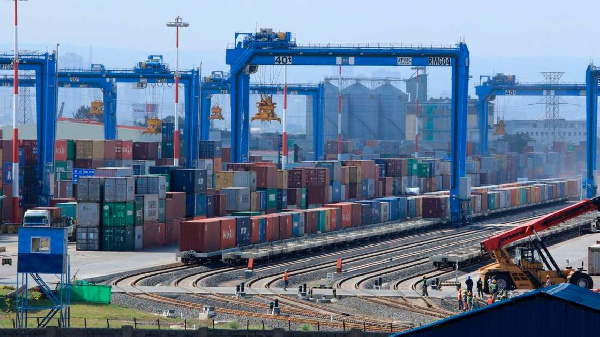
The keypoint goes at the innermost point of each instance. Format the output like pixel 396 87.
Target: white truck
pixel 43 218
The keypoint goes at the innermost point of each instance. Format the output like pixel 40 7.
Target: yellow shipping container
pixel 223 179
pixel 282 179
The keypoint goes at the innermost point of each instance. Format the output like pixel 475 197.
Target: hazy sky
pixel 520 37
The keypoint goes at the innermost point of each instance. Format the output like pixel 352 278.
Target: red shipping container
pixel 110 150
pixel 310 222
pixel 356 215
pixel 176 230
pixel 123 149
pixel 168 232
pixel 161 234
pixel 266 176
pixel 228 233
pixel 7 151
pixel 220 206
pixel 272 227
pixel 200 235
pixel 55 201
pixel 255 231
pixel 60 150
pixel 346 209
pixel 297 178
pixel 285 226
pixel 84 163
pixel 174 205
pixel 333 218
pixel 316 195
pixel 98 163
pixel 150 236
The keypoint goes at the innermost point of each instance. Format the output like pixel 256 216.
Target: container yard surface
pixel 90 264
pixel 576 250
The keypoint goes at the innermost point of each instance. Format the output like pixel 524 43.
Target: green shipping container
pixel 271 198
pixel 246 213
pixel 70 149
pixel 68 209
pixel 492 201
pixel 412 166
pixel 321 221
pixel 139 210
pixel 303 200
pixel 423 170
pixel 118 214
pixel 61 171
pixel 118 238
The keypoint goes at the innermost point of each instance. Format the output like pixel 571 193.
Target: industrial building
pixel 568 131
pixel 388 113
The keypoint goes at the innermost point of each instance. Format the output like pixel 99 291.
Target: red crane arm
pixel 555 218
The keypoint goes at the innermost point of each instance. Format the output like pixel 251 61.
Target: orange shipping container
pixel 346 210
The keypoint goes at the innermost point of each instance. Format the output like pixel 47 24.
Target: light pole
pixel 284 137
pixel 15 143
pixel 417 111
pixel 177 24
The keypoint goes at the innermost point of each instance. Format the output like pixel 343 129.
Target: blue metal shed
pixel 560 310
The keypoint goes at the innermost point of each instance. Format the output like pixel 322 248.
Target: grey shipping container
pixel 238 198
pixel 464 187
pixel 90 189
pixel 139 237
pixel 88 214
pixel 119 189
pixel 114 172
pixel 88 238
pixel 157 185
pixel 594 260
pixel 150 207
pixel 245 179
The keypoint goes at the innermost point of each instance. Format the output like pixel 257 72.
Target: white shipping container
pixel 384 211
pixel 139 237
pixel 594 260
pixel 151 207
pixel 464 187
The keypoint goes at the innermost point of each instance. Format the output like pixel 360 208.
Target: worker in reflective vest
pixel 286 279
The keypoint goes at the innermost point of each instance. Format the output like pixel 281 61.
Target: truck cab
pixel 36 218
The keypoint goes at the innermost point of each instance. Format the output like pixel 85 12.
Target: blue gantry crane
pixel 218 83
pixel 507 85
pixel 267 47
pixel 44 66
pixel 592 77
pixel 98 76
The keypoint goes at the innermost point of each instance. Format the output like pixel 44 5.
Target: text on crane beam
pixel 404 61
pixel 283 60
pixel 439 61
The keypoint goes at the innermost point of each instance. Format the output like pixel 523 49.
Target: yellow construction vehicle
pixel 216 112
pixel 153 126
pixel 500 128
pixel 266 110
pixel 96 108
pixel 527 270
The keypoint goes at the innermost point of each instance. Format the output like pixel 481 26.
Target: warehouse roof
pixel 532 303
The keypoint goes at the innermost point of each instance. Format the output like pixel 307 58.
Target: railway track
pixel 304 312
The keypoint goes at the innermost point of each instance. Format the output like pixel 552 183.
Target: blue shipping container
pixel 243 230
pixel 364 188
pixel 210 206
pixel 162 169
pixel 394 207
pixel 366 209
pixel 263 200
pixel 412 208
pixel 262 230
pixel 295 224
pixel 402 208
pixel 375 209
pixel 336 191
pixel 282 199
pixel 195 205
pixel 191 181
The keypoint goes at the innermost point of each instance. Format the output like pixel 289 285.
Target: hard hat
pixel 494 281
